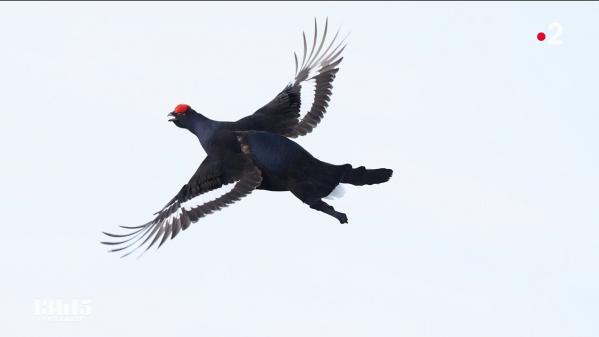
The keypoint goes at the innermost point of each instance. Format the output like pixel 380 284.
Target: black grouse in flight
pixel 255 152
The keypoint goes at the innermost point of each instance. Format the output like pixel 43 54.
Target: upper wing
pixel 174 217
pixel 282 114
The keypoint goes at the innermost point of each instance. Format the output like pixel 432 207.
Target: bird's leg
pixel 308 195
pixel 322 206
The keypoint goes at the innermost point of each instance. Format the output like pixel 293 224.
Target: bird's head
pixel 182 116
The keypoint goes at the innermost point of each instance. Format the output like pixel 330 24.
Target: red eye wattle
pixel 181 108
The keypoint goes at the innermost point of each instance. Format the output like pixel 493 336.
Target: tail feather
pixel 363 176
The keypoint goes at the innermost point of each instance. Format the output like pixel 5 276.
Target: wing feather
pixel 283 115
pixel 174 218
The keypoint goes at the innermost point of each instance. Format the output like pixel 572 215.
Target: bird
pixel 257 153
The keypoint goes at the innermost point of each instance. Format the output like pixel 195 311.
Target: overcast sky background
pixel 489 226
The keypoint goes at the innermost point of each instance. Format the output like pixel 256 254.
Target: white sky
pixel 488 228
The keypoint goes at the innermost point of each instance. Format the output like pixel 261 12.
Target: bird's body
pixel 284 164
pixel 255 152
pixel 278 158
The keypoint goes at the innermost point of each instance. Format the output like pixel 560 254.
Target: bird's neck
pixel 203 128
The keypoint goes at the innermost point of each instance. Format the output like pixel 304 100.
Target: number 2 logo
pixel 555 31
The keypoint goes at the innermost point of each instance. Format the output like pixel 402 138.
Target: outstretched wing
pixel 282 115
pixel 175 216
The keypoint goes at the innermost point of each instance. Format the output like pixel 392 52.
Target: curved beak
pixel 171 116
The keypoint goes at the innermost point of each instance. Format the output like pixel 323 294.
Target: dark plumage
pixel 255 153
